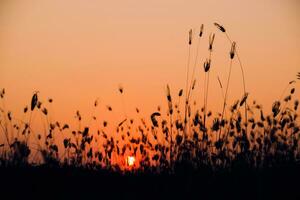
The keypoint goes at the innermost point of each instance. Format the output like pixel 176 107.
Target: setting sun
pixel 130 160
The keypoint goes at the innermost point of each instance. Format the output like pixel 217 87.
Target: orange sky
pixel 76 50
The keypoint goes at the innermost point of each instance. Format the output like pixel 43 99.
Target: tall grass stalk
pixel 226 93
pixel 244 82
pixel 196 61
pixel 4 127
pixel 222 92
pixel 207 70
pixel 187 80
pixel 222 29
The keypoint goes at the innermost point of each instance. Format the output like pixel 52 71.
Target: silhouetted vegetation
pixel 186 141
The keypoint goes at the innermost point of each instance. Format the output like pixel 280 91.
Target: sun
pixel 130 160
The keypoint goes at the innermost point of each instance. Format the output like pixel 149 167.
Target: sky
pixel 76 51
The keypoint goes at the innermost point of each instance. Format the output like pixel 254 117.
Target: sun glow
pixel 130 160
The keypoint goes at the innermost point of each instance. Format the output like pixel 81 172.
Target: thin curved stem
pixel 204 96
pixel 226 93
pixel 244 83
pixel 222 92
pixel 194 68
pixel 186 90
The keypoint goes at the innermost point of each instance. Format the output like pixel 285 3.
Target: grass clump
pixel 171 143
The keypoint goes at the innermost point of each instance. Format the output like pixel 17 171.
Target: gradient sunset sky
pixel 75 51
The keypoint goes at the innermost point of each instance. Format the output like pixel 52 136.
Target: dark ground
pixel 67 183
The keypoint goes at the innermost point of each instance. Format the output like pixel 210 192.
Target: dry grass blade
pixel 122 122
pixel 220 82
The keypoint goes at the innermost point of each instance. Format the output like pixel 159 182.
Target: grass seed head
pixel 244 99
pixel 232 50
pixel 34 100
pixel 2 93
pixel 180 92
pixel 206 65
pixel 190 36
pixel 121 89
pixel 169 94
pixel 201 30
pixel 45 111
pixel 221 28
pixel 211 41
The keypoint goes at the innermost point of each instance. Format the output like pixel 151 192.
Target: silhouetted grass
pixel 211 148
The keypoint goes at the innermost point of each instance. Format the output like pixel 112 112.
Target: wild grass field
pixel 241 152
